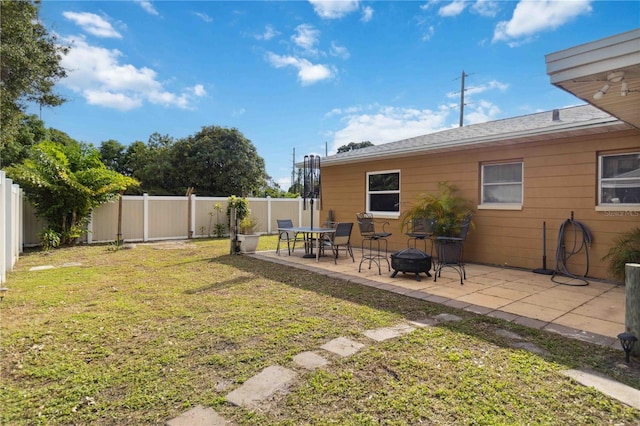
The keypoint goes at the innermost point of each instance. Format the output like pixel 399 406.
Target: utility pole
pixel 462 89
pixel 293 169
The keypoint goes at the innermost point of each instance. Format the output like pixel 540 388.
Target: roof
pixel 573 121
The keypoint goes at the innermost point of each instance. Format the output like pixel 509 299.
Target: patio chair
pixel 421 228
pixel 371 241
pixel 451 251
pixel 289 236
pixel 340 239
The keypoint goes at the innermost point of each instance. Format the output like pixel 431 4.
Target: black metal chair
pixel 341 239
pixel 289 236
pixel 371 238
pixel 421 228
pixel 451 251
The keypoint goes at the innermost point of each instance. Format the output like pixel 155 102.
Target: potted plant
pixel 447 209
pixel 246 224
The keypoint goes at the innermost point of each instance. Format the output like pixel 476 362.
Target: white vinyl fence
pixel 151 218
pixel 11 206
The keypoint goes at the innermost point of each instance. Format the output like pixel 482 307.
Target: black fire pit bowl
pixel 411 260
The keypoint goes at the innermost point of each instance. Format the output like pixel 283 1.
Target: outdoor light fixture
pixel 614 77
pixel 627 340
pixel 624 89
pixel 600 93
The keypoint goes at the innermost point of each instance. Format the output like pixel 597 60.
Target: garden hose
pixel 580 242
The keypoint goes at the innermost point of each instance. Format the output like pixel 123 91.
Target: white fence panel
pixel 149 218
pixel 11 228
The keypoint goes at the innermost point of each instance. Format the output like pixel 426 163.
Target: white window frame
pixel 386 214
pixel 499 205
pixel 602 206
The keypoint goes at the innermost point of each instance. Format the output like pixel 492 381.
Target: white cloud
pixel 367 14
pixel 454 8
pixel 334 9
pixel 92 24
pixel 533 16
pixel 147 6
pixel 306 37
pixel 339 51
pixel 206 18
pixel 428 33
pixel 308 73
pixel 268 34
pixel 98 75
pixel 481 113
pixel 382 124
pixel 488 8
pixel 474 90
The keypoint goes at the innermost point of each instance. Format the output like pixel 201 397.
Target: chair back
pixel 285 223
pixel 464 227
pixel 365 224
pixel 343 233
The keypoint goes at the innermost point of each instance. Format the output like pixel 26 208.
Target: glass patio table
pixel 311 235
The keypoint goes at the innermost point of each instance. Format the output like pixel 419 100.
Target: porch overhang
pixel 584 70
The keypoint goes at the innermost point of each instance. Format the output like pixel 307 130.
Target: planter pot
pixel 448 253
pixel 248 242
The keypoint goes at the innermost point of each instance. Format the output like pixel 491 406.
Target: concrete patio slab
pixel 261 386
pixel 342 346
pixel 386 333
pixel 617 390
pixel 199 416
pixel 310 360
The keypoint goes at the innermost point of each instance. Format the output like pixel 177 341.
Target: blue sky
pixel 311 75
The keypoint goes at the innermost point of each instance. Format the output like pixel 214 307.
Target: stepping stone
pixel 310 360
pixel 386 333
pixel 342 346
pixel 41 268
pixel 199 416
pixel 508 334
pixel 447 317
pixel 528 346
pixel 425 322
pixel 261 386
pixel 70 264
pixel 607 386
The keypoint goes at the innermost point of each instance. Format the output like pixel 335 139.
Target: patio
pixel 593 313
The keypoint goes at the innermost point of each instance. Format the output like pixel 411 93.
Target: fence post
pixel 145 217
pixel 300 208
pixel 268 214
pixel 632 296
pixel 4 236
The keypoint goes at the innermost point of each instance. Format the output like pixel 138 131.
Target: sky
pixel 311 76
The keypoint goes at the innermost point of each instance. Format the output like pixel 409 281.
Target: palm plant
pixel 446 207
pixel 626 249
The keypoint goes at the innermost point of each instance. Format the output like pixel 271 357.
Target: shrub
pixel 626 249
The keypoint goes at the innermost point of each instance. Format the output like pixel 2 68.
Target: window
pixel 502 183
pixel 383 192
pixel 619 179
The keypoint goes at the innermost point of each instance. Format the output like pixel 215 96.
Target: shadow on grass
pixel 570 353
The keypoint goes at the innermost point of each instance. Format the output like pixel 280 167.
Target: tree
pixel 29 64
pixel 30 132
pixel 64 183
pixel 353 145
pixel 217 161
pixel 112 153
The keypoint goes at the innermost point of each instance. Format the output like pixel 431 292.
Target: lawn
pixel 139 336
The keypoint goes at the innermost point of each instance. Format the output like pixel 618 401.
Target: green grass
pixel 139 336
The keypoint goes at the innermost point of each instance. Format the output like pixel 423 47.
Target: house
pixel 581 162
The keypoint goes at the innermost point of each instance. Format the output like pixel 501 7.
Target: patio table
pixel 311 234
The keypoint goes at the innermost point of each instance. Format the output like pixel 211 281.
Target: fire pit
pixel 411 260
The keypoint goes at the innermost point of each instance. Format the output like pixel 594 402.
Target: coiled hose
pixel 582 239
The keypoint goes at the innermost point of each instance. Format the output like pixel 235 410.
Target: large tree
pixel 64 182
pixel 29 64
pixel 218 161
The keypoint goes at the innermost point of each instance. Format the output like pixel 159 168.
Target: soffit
pixel 583 70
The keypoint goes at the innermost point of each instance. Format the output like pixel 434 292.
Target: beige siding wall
pixel 560 177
